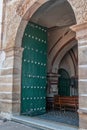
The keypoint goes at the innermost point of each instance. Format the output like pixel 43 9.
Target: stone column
pixel 6 81
pixel 81 34
pixel 10 82
pixel 16 96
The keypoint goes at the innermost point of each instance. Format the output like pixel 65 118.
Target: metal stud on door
pixel 33 98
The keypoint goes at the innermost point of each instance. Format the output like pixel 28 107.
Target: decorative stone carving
pixel 23 6
pixel 80 10
pixel 15 10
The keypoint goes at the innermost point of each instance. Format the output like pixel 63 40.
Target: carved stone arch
pixel 80 9
pixel 18 20
pixel 61 54
pixel 26 5
pixel 25 10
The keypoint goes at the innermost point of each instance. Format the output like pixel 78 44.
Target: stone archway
pixel 11 44
pixel 24 8
pixel 26 15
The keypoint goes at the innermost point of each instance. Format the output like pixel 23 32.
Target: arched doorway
pixel 13 30
pixel 63 83
pixel 33 98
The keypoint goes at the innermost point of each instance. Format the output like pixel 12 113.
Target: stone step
pixel 42 123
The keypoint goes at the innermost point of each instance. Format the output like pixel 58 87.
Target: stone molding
pixel 79 27
pixel 17 50
pixel 80 9
pixel 24 6
pixel 81 31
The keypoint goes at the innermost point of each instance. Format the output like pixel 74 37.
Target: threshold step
pixel 45 124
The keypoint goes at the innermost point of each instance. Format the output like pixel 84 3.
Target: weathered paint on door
pixel 34 70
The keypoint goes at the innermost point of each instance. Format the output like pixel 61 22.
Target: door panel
pixel 63 83
pixel 34 60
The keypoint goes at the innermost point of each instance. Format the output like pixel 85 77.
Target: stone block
pixel 16 97
pixel 8 62
pixel 17 88
pixel 83 73
pixel 16 108
pixel 5 87
pixel 16 71
pixel 82 87
pixel 6 79
pixel 5 96
pixel 8 71
pixel 83 101
pixel 6 107
pixel 82 55
pixel 83 121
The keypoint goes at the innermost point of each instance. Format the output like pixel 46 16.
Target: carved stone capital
pixel 81 31
pixel 13 51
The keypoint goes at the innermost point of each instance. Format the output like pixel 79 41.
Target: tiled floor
pixel 67 117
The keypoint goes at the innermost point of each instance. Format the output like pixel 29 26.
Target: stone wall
pixel 24 10
pixel 82 72
pixel 15 14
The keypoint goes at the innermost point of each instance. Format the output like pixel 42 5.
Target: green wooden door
pixel 34 69
pixel 63 83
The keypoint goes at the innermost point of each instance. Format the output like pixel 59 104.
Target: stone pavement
pixel 10 125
